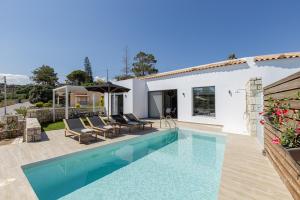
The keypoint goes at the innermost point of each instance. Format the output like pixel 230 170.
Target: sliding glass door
pixel 162 103
pixel 116 104
pixel 155 104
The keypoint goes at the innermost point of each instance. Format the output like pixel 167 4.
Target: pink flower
pixel 276 140
pixel 285 112
pixel 262 122
pixel 279 112
pixel 280 120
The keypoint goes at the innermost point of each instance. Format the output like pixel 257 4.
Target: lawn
pixel 53 126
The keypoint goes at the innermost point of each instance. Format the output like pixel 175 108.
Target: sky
pixel 180 33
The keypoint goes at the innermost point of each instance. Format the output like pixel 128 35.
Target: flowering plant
pixel 282 117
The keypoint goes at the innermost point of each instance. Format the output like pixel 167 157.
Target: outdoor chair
pixel 97 123
pixel 76 127
pixel 131 117
pixel 121 121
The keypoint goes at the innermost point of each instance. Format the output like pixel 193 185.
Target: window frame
pixel 192 96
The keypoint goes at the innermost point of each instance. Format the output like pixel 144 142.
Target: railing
pixel 166 121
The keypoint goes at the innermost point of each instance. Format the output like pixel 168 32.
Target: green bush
pixel 22 111
pixel 39 104
pixel 47 104
pixel 40 93
pixel 77 105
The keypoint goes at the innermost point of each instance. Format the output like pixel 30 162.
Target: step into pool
pixel 172 164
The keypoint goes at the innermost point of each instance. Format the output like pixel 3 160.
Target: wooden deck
pixel 246 173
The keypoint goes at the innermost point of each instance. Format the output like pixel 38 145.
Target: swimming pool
pixel 171 164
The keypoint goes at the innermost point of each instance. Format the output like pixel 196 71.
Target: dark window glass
pixel 204 101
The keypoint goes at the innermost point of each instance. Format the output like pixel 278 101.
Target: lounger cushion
pixel 133 123
pixel 79 131
pixel 133 118
pixel 108 127
pixel 87 130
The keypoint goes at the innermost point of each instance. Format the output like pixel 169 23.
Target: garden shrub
pixel 22 111
pixel 39 104
pixel 40 93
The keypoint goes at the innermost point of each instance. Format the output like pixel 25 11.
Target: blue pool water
pixel 173 164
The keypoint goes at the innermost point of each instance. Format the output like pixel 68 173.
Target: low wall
pixel 45 115
pixel 13 126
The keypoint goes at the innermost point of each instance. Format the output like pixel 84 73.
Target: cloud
pixel 15 79
pixel 96 78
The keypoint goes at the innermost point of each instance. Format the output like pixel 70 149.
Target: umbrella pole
pixel 108 106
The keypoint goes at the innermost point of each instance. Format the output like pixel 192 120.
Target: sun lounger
pixel 121 121
pixel 97 123
pixel 131 117
pixel 77 127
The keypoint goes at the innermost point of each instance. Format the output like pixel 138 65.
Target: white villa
pixel 204 161
pixel 208 94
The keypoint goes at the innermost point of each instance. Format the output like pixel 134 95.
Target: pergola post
pixel 53 104
pixel 94 109
pixel 67 104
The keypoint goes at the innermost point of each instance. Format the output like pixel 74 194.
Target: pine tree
pixel 144 64
pixel 88 70
pixel 231 56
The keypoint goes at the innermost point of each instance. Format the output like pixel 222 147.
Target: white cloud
pixel 99 78
pixel 16 79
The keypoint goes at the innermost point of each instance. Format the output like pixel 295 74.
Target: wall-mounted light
pixel 125 95
pixel 230 93
pixel 183 94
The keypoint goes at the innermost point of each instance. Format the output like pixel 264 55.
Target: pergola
pixel 107 87
pixel 66 90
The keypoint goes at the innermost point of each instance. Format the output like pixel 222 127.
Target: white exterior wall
pixel 140 98
pixel 136 100
pixel 128 97
pixel 230 110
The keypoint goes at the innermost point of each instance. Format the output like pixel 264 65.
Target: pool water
pixel 172 164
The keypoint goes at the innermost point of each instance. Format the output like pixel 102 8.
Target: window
pixel 204 101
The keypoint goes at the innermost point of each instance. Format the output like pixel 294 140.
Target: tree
pixel 88 70
pixel 232 56
pixel 77 77
pixel 126 69
pixel 144 64
pixel 40 93
pixel 126 62
pixel 123 77
pixel 45 75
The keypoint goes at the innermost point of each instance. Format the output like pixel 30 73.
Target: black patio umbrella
pixel 107 87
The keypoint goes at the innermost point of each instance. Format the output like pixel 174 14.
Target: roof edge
pixel 223 64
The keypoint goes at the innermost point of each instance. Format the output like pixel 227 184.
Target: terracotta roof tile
pixel 222 64
pixel 277 56
pixel 197 68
